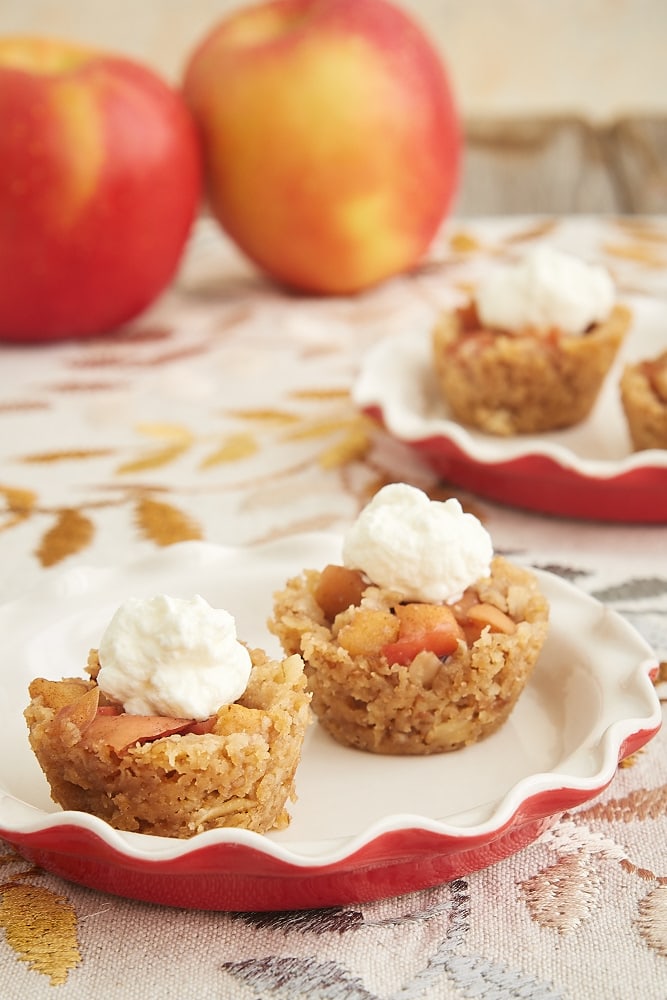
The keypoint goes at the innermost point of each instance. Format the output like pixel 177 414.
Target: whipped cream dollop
pixel 427 550
pixel 546 289
pixel 172 656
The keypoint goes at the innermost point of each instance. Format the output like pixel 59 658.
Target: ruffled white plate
pixel 585 471
pixel 364 826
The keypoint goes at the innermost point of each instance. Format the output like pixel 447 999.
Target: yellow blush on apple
pixel 330 136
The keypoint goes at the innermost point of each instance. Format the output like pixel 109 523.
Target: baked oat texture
pixel 428 706
pixel 523 383
pixel 241 774
pixel 644 401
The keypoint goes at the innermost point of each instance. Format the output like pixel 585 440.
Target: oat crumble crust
pixel 241 774
pixel 430 705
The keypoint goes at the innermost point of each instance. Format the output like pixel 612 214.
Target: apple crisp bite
pixel 174 776
pixel 413 678
pixel 401 672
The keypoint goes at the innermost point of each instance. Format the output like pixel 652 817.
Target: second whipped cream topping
pixel 171 656
pixel 547 289
pixel 425 549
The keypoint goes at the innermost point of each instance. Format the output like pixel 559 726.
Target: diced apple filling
pixel 431 627
pixel 368 632
pixel 338 588
pixel 84 720
pixel 405 630
pixel 488 614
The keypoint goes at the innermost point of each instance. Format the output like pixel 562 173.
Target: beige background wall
pixel 598 58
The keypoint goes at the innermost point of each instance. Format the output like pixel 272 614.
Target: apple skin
pixel 100 181
pixel 330 136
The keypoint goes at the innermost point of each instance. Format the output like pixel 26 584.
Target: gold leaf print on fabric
pixel 90 385
pixel 19 504
pixel 640 229
pixel 652 920
pixel 353 445
pixel 176 354
pixel 265 416
pixel 355 432
pixel 40 926
pixel 179 439
pixel 145 334
pixel 638 253
pixel 564 894
pixel 122 355
pixel 71 533
pixel 643 873
pixel 318 522
pixel 23 406
pixel 320 395
pixel 463 242
pixel 234 448
pixel 65 455
pixel 318 428
pixel 641 804
pixel 154 459
pixel 533 232
pixel 354 429
pixel 166 431
pixel 164 524
pixel 631 759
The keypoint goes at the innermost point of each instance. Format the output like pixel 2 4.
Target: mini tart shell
pixel 241 774
pixel 429 706
pixel 645 409
pixel 524 382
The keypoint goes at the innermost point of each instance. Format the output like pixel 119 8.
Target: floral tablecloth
pixel 225 414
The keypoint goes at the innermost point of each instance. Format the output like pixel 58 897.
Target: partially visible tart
pixel 644 400
pixel 174 777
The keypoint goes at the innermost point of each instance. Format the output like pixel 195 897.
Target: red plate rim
pixel 410 854
pixel 398 851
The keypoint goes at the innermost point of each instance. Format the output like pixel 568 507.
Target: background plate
pixel 587 471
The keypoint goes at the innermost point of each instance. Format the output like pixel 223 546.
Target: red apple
pixel 100 179
pixel 330 136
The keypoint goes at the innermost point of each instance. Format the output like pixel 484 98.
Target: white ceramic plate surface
pixel 364 826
